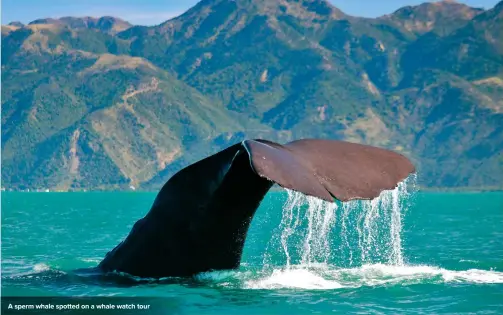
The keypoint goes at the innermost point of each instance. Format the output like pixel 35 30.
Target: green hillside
pixel 93 103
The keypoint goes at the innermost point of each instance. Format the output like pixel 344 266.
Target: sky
pixel 152 12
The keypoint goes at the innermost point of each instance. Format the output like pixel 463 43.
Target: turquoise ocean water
pixel 403 253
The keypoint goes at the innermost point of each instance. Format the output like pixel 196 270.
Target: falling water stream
pixel 367 231
pixel 314 233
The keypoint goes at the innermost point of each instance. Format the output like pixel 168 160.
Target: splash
pixel 293 278
pixel 367 231
pixel 40 267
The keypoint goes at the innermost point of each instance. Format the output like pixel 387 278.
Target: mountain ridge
pixel 91 107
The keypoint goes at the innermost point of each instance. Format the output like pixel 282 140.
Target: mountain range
pixel 100 104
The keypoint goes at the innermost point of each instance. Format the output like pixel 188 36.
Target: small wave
pixel 423 272
pixel 474 275
pixel 91 260
pixel 34 271
pixel 468 260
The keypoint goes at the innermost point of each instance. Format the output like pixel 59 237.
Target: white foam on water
pixel 379 274
pixel 293 278
pixel 473 275
pixel 325 277
pixel 40 267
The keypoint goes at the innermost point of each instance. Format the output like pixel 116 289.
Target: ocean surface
pixel 403 253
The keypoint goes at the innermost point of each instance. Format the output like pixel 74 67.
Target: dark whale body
pixel 200 218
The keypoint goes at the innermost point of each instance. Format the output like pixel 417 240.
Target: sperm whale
pixel 199 219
